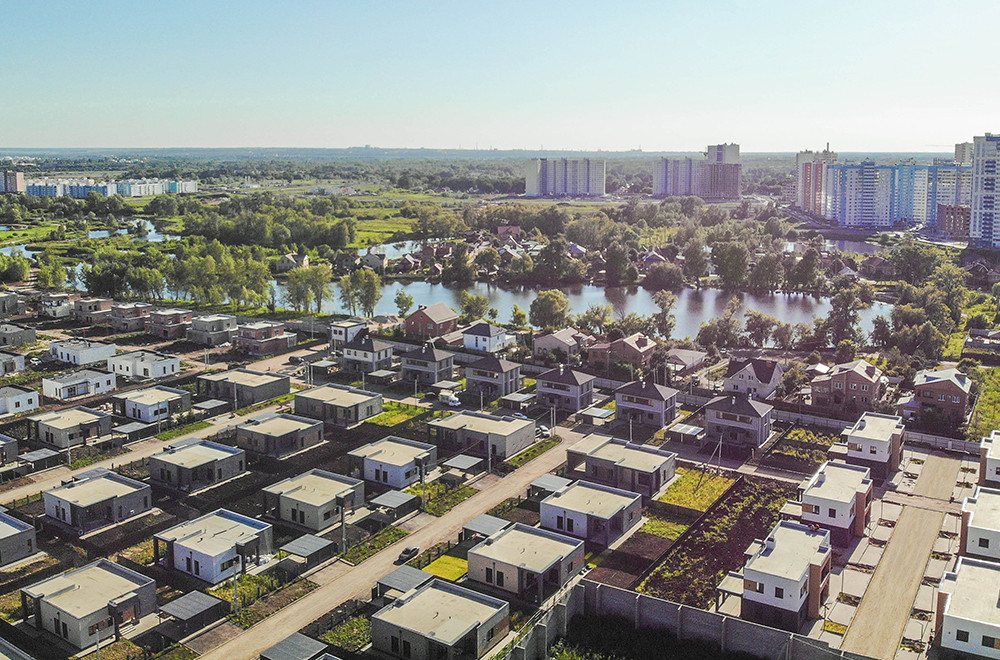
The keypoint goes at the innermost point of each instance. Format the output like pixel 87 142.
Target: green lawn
pixel 438 498
pixel 120 650
pixel 395 413
pixel 182 430
pixel 695 489
pixel 373 545
pixel 448 567
pixel 534 451
pixel 953 347
pixel 986 415
pixel 668 529
pixel 351 635
pixel 249 588
pixel 284 398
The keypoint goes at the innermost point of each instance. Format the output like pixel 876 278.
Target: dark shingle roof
pixel 739 404
pixel 566 376
pixel 484 329
pixel 429 353
pixel 490 363
pixel 365 342
pixel 763 369
pixel 647 390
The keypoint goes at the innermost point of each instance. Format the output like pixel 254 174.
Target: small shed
pixel 211 407
pixel 597 416
pixel 461 467
pixel 134 431
pixel 518 401
pixel 547 484
pixel 313 550
pixel 482 527
pixel 686 433
pixel 381 377
pixel 442 385
pixel 395 503
pixel 41 459
pixel 295 647
pixel 399 581
pixel 190 613
pixel 324 367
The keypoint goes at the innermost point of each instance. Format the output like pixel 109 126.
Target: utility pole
pixel 236 575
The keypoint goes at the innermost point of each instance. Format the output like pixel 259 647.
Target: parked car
pixel 408 553
pixel 543 432
pixel 520 415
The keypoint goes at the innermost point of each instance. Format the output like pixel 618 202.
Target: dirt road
pixel 938 477
pixel 357 582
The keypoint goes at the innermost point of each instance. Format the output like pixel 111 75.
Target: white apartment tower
pixel 964 152
pixel 561 176
pixel 723 153
pixel 984 228
pixel 810 176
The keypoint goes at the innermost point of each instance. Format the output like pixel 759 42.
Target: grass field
pixel 351 635
pixel 181 430
pixel 395 413
pixel 448 567
pixel 371 546
pixel 986 415
pixel 658 526
pixel 695 489
pixel 439 499
pixel 534 451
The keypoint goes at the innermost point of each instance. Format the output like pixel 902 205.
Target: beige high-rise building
pixel 964 152
pixel 562 176
pixel 13 182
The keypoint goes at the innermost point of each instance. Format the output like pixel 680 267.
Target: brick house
pixel 636 349
pixel 943 393
pixel 431 321
pixel 852 386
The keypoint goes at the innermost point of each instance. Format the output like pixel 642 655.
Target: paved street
pixel 884 611
pixel 357 582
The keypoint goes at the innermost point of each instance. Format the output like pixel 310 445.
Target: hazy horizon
pixel 567 76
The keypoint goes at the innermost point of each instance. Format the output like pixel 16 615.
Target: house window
pixel 991 642
pixel 559 522
pixel 394 643
pixel 864 388
pixel 499 578
pixel 961 635
pixel 872 450
pixel 984 543
pixel 569 524
pixel 489 576
pixel 779 592
pixel 832 513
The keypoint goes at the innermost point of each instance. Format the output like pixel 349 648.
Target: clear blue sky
pixel 870 75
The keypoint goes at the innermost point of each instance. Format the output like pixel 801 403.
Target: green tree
pixel 695 259
pixel 298 291
pixel 664 318
pixel 368 290
pixel 518 318
pixel 595 318
pixel 549 310
pixel 404 302
pixel 487 260
pixel 458 268
pixel 759 328
pixel 348 294
pixel 664 276
pixel 473 306
pixel 731 260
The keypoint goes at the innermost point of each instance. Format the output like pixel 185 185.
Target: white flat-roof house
pixel 278 435
pixel 440 620
pixel 81 351
pixel 85 382
pixel 80 606
pixel 344 331
pixel 967 618
pixel 786 576
pixel 527 562
pixel 95 499
pixel 216 546
pixel 313 499
pixel 194 464
pixel 633 467
pixel 838 498
pixel 980 532
pixel 144 364
pixel 595 513
pixel 338 405
pixel 394 461
pixel 153 404
pixel 875 441
pixel 15 399
pixel 17 539
pixel 989 460
pixel 70 427
pixel 470 432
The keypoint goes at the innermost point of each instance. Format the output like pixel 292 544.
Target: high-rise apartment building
pixel 715 178
pixel 860 195
pixel 920 189
pixel 964 152
pixel 561 176
pixel 983 226
pixel 12 182
pixel 723 153
pixel 810 176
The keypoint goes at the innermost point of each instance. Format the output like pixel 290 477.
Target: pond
pixel 694 307
pixel 152 235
